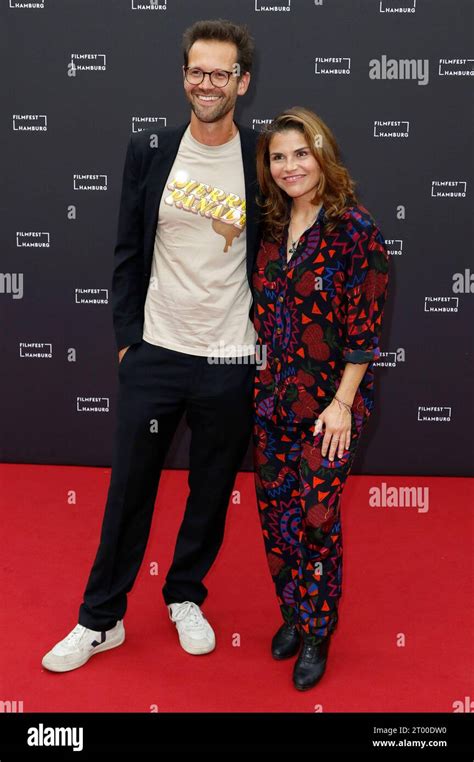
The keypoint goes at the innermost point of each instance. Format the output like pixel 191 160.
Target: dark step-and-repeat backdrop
pixel 392 78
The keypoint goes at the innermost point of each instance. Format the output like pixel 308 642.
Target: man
pixel 187 238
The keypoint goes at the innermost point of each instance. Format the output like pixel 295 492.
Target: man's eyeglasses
pixel 218 77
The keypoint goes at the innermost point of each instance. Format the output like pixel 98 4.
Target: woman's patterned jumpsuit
pixel 312 315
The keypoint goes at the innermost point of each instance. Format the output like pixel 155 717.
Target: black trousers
pixel 156 387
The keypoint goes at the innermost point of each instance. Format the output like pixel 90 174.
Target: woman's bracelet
pixel 346 405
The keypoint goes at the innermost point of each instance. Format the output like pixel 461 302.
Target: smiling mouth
pixel 207 98
pixel 293 178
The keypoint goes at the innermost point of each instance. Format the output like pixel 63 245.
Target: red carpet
pixel 405 572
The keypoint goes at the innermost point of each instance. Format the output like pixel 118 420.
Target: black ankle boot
pixel 310 664
pixel 286 642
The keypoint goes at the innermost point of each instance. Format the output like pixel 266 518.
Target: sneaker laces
pixel 76 635
pixel 192 613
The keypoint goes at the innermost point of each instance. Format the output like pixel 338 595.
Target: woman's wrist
pixel 343 403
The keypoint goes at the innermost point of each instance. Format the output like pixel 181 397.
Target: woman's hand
pixel 338 422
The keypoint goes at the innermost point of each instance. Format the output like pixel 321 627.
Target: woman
pixel 320 284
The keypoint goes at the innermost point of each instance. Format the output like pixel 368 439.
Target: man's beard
pixel 214 113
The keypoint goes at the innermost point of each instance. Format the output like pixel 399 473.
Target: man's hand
pixel 122 352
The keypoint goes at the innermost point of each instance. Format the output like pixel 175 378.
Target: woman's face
pixel 292 165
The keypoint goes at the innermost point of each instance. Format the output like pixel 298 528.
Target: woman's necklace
pixel 294 244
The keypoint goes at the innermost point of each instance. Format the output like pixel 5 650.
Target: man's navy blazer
pixel 145 174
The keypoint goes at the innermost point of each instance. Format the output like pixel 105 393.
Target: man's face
pixel 211 103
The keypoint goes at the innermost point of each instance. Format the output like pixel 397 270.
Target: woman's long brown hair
pixel 335 187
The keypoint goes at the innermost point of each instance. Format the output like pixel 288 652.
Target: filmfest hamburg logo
pixel 275 7
pixel 35 349
pixel 448 188
pixel 81 62
pixel 32 239
pixel 149 5
pixel 394 246
pixel 397 6
pixel 27 5
pixel 434 413
pixel 390 359
pixel 89 182
pixel 441 304
pixel 391 128
pixel 260 124
pixel 30 122
pixel 92 404
pixel 91 296
pixel 456 67
pixel 140 123
pixel 332 65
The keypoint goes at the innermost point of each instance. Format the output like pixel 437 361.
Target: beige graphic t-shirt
pixel 199 298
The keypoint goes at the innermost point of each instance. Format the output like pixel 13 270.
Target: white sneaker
pixel 81 643
pixel 195 633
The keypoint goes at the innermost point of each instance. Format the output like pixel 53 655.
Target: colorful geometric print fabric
pixel 299 497
pixel 312 315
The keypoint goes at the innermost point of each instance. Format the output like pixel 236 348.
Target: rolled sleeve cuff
pixel 361 355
